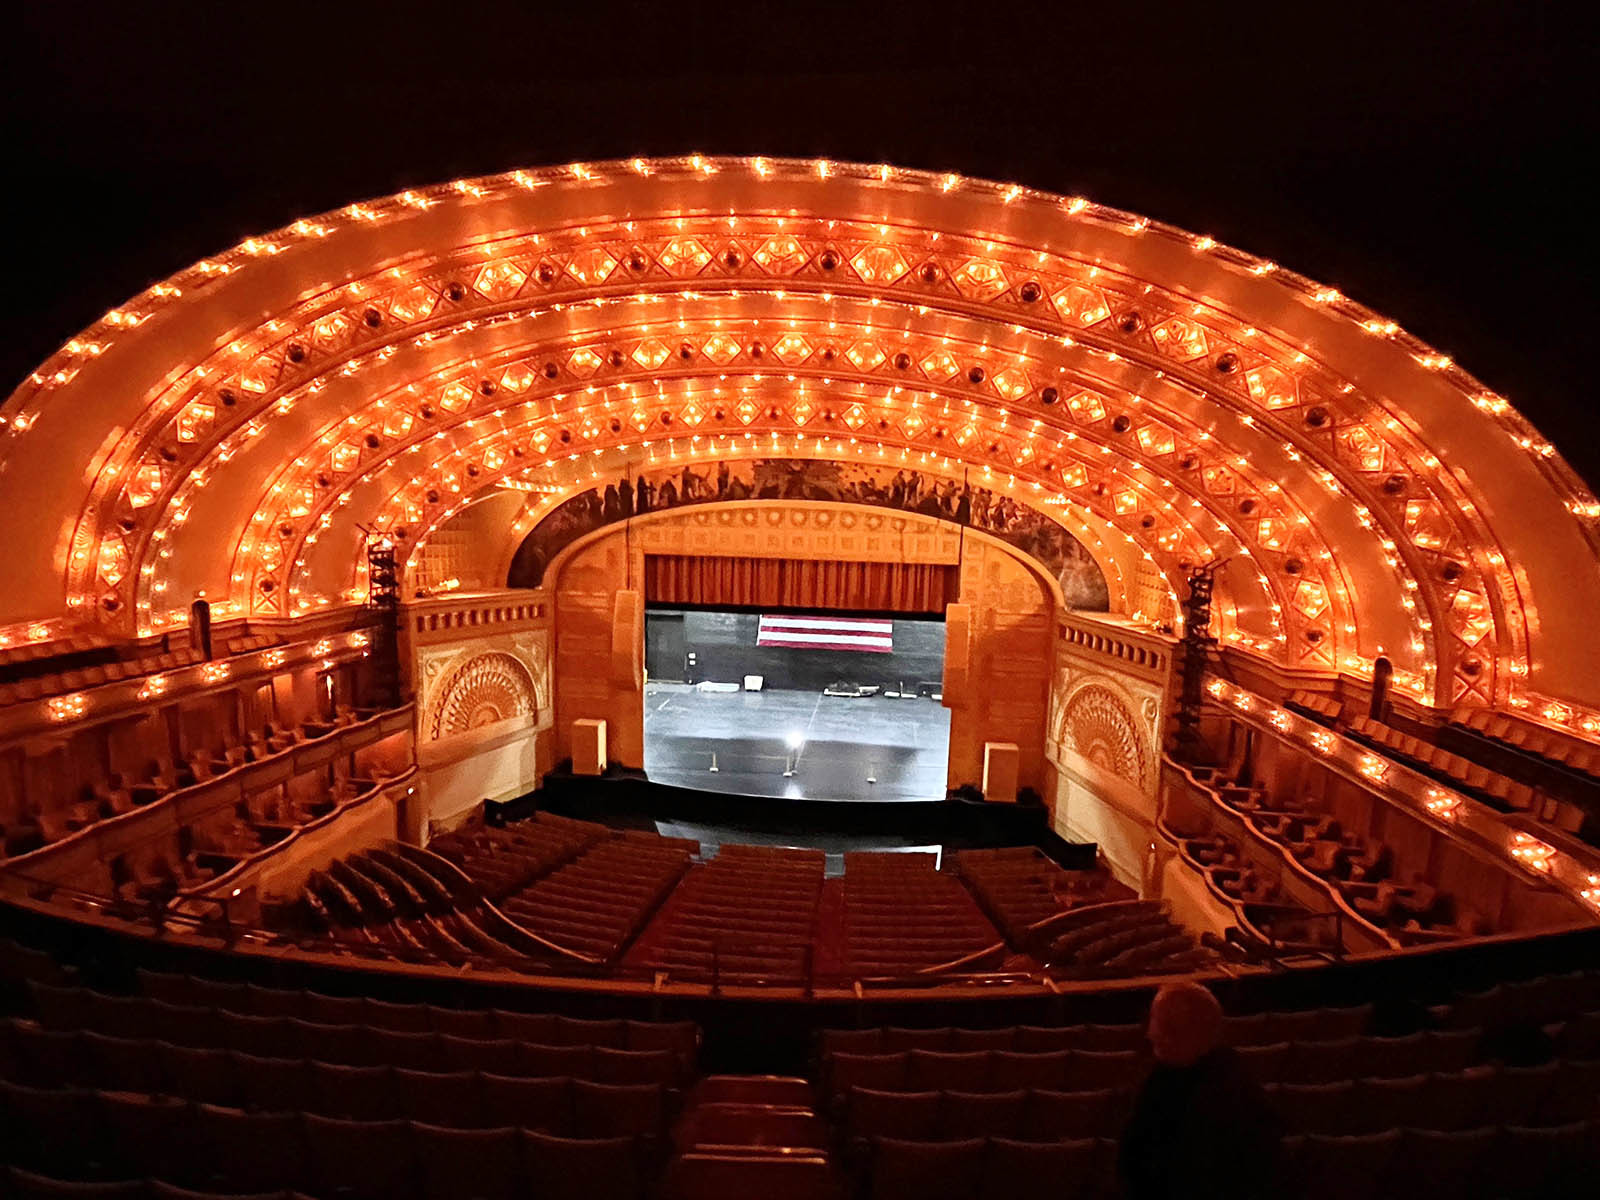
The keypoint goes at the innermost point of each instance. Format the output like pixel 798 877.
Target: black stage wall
pixel 724 648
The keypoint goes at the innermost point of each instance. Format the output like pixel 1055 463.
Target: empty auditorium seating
pixel 898 915
pixel 1017 887
pixel 1549 745
pixel 1320 708
pixel 504 860
pixel 598 901
pixel 747 917
pixel 1361 869
pixel 238 1088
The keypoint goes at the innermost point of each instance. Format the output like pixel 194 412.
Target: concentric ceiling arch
pixel 231 429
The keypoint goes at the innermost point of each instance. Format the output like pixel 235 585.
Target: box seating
pixel 1360 868
pixel 227 834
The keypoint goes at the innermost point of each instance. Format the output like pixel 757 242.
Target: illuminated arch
pixel 1372 497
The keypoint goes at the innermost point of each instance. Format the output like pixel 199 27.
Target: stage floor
pixel 902 744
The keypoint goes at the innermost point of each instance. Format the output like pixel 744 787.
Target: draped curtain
pixel 799 583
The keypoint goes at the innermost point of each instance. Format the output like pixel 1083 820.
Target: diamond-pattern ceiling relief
pixel 684 256
pixel 501 280
pixel 980 279
pixel 591 266
pixel 1355 438
pixel 651 353
pixel 781 255
pixel 1081 305
pixel 879 264
pixel 1180 338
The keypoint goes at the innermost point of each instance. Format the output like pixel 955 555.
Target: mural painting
pixel 1082 582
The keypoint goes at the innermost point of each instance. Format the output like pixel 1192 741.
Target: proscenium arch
pixel 583 694
pixel 1480 534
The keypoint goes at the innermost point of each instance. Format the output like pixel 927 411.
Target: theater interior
pixel 1259 652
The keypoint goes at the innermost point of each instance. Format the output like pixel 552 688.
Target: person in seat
pixel 1201 1126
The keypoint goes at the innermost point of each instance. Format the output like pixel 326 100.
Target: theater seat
pixel 1442 1164
pixel 541 1104
pixel 1060 1170
pixel 901 1170
pixel 561 1168
pixel 249 1152
pixel 912 1116
pixel 146 1135
pixel 449 1100
pixel 25 1185
pixel 601 1110
pixel 468 1164
pixel 46 1129
pixel 1342 1168
pixel 767 1176
pixel 362 1160
pixel 156 1189
pixel 965 1115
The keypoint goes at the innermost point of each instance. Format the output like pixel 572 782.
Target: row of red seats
pixel 902 915
pixel 1027 1039
pixel 1479 1164
pixel 93 1137
pixel 748 917
pixel 456 1099
pixel 1033 1114
pixel 1322 708
pixel 1553 1093
pixel 1125 937
pixel 596 903
pixel 1018 887
pixel 504 860
pixel 77 678
pixel 1497 790
pixel 147 1064
pixel 981 1071
pixel 191 992
pixel 1544 743
pixel 374 899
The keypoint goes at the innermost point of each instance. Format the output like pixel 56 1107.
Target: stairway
pixel 752 1135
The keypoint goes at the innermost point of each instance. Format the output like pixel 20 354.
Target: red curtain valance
pixel 799 583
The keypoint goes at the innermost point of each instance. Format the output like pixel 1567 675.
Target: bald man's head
pixel 1185 1024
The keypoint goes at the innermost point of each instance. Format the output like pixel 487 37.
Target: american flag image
pixel 826 633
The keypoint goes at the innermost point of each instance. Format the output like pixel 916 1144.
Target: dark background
pixel 1425 159
pixel 724 645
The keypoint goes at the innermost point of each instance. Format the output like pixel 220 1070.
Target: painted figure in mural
pixel 1033 532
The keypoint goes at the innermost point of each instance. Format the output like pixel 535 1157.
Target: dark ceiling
pixel 1428 164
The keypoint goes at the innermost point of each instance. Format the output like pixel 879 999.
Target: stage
pixel 868 748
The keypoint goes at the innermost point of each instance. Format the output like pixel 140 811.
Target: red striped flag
pixel 826 633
